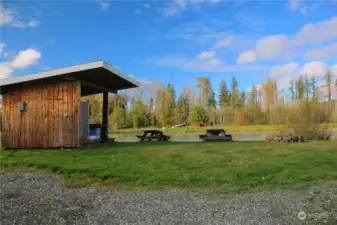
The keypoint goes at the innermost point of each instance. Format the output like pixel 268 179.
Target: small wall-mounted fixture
pixel 21 106
pixel 65 115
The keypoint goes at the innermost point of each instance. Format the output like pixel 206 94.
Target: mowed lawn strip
pixel 243 165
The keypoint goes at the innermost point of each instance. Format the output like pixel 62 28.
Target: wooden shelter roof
pixel 95 77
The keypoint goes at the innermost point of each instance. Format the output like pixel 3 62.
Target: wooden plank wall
pixel 42 124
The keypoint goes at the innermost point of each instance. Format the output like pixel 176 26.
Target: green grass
pixel 241 165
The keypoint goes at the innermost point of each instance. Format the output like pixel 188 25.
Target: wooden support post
pixel 105 115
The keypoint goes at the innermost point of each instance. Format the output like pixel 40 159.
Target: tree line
pixel 261 104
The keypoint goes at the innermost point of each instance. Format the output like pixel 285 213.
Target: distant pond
pixel 192 137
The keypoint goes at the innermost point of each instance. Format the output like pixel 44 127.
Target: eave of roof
pixel 65 71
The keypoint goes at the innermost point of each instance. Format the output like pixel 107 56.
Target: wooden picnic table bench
pixel 215 134
pixel 150 135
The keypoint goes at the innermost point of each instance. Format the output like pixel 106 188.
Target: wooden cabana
pixel 43 110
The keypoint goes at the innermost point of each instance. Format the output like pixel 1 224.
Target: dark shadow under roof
pixel 95 77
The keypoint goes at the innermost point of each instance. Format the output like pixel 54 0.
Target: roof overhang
pixel 95 77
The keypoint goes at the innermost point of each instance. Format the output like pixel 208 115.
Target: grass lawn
pixel 241 165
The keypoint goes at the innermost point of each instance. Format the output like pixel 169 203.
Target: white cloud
pixel 212 65
pixel 215 62
pixel 147 5
pixel 26 58
pixel 2 46
pixel 10 17
pixel 294 5
pixel 146 89
pixel 206 55
pixel 5 70
pixel 283 82
pixel 138 11
pixel 203 32
pixel 288 73
pixel 104 5
pixel 246 57
pixel 284 46
pixel 298 5
pixel 287 69
pixel 175 7
pixel 6 16
pixel 224 42
pixel 22 60
pixel 304 11
pixel 33 23
pixel 20 24
pixel 333 70
pixel 274 46
pixel 46 68
pixel 316 33
pixel 322 53
pixel 314 68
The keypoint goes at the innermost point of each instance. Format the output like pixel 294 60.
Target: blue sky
pixel 175 40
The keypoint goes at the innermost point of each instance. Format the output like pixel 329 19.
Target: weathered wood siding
pixel 42 124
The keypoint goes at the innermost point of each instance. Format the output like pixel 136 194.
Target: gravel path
pixel 36 198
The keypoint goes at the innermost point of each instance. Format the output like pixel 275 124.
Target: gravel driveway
pixel 37 198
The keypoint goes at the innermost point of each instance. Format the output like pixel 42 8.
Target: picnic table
pixel 150 135
pixel 216 134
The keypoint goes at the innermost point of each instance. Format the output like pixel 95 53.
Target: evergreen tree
pixel 292 89
pixel 307 87
pixel 117 109
pixel 198 114
pixel 160 111
pixel 170 97
pixel 253 95
pixel 224 94
pixel 181 110
pixel 242 99
pixel 224 102
pixel 211 103
pixel 313 88
pixel 139 114
pixel 129 119
pixel 328 83
pixel 234 93
pixel 260 105
pixel 152 118
pixel 118 118
pixel 300 90
pixel 252 103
